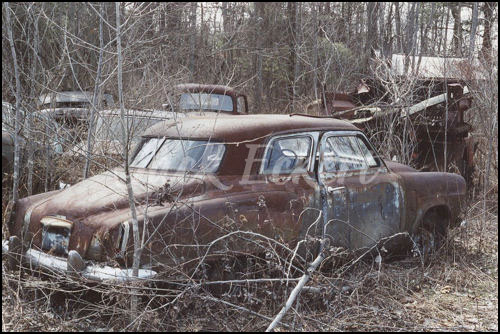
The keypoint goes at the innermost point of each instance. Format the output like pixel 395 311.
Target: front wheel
pixel 430 235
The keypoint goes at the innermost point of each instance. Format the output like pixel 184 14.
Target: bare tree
pixel 457 28
pixel 126 142
pixel 95 99
pixel 15 185
pixel 472 37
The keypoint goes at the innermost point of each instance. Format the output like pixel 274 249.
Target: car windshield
pixel 179 155
pixel 199 101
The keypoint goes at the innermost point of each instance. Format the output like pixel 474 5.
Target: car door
pixel 275 202
pixel 365 199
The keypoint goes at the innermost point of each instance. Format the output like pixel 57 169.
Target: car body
pixel 71 109
pixel 56 136
pixel 207 100
pixel 204 187
pixel 444 139
pixel 71 104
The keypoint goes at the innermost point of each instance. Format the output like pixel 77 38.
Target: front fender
pixel 425 190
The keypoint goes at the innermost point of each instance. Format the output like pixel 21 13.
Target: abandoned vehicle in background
pixel 210 188
pixel 436 123
pixel 71 105
pixel 47 137
pixel 206 100
pixel 107 149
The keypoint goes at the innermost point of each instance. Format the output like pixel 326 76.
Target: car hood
pixel 102 200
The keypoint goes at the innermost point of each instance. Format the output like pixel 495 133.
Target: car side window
pixel 287 155
pixel 345 153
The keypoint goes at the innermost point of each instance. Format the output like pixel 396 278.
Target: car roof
pixel 230 128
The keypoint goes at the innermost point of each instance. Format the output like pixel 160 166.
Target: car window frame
pixel 312 135
pixel 364 139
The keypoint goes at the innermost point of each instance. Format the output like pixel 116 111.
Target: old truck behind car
pixel 205 100
pixel 209 187
pixel 438 121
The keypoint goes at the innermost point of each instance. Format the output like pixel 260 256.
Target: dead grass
pixel 456 290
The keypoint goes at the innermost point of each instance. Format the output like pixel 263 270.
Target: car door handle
pixel 331 190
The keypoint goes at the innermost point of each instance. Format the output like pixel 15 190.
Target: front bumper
pixel 33 258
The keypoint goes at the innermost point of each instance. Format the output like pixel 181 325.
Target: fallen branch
pixel 296 291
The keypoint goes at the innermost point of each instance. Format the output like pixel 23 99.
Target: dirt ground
pixel 455 290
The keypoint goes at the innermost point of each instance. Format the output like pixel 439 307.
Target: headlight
pixel 56 231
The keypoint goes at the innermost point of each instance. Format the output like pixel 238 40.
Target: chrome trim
pixel 27 220
pixel 54 221
pixel 331 190
pixel 125 234
pixel 36 259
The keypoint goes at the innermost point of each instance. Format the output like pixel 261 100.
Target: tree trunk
pixel 15 186
pixel 457 29
pixel 315 49
pixel 292 29
pixel 192 42
pixel 488 8
pixel 29 128
pixel 126 139
pixel 95 99
pixel 387 35
pixel 398 28
pixel 445 40
pixel 258 18
pixel 472 38
pixel 410 30
pixel 423 35
pixel 297 44
pixel 372 33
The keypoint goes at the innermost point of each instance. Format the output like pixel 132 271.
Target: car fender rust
pixel 431 189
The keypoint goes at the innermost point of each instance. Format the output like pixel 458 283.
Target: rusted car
pixel 205 100
pixel 71 104
pixel 208 187
pixel 71 109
